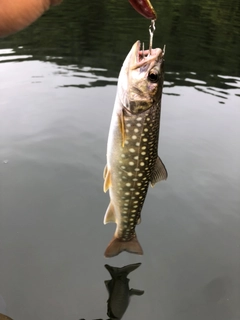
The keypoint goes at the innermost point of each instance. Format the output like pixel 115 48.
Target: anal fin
pixel 109 215
pixel 159 172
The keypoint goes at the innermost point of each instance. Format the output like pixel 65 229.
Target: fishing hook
pixel 152 28
pixel 143 50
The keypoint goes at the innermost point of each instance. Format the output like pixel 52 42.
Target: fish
pixel 132 148
pixel 118 289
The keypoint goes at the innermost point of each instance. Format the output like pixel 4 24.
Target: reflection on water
pixel 58 84
pixel 86 76
pixel 118 290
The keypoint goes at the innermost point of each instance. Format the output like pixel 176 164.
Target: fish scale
pixel 132 156
pixel 136 166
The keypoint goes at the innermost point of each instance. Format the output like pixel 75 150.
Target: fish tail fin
pixel 115 271
pixel 116 246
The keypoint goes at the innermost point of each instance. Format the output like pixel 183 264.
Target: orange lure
pixel 145 8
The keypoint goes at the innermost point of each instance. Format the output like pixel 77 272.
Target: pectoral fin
pixel 122 127
pixel 109 215
pixel 136 292
pixel 159 172
pixel 107 179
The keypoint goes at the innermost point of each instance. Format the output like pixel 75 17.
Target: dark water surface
pixel 57 88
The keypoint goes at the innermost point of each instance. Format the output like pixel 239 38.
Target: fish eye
pixel 153 77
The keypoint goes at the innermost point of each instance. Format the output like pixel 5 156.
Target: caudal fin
pixel 116 271
pixel 116 246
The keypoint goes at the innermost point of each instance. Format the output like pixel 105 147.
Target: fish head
pixel 141 79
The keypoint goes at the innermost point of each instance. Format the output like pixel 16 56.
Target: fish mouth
pixel 142 57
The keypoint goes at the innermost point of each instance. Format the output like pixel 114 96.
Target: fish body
pixel 118 289
pixel 132 156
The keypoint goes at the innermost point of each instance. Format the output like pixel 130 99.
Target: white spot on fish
pixel 144 147
pixel 127 193
pixel 134 137
pixel 136 158
pixel 140 174
pixel 128 184
pixel 143 153
pixel 129 174
pixel 139 124
pixel 123 155
pixel 131 150
pixel 128 124
pixel 146 129
pixel 145 139
pixel 139 118
pixel 138 184
pixel 148 119
pixel 131 163
pixel 142 164
pixel 136 130
pixel 137 144
pixel 137 169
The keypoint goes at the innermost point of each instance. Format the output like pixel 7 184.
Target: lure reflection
pixel 118 289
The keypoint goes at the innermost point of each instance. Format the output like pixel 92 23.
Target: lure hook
pixel 152 28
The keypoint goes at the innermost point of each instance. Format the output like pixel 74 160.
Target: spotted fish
pixel 132 156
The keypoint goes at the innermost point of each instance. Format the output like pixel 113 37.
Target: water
pixel 58 84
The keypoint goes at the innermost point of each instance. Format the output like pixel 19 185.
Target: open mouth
pixel 145 56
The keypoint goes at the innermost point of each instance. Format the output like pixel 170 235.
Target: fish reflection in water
pixel 118 289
